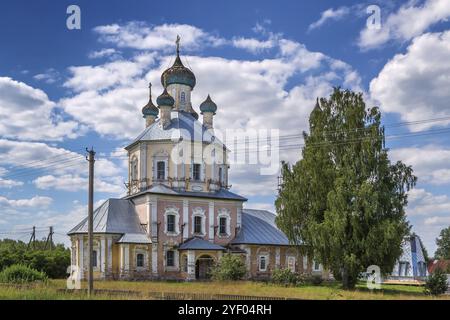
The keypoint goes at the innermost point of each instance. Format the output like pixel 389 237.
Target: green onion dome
pixel 179 74
pixel 208 106
pixel 150 109
pixel 165 99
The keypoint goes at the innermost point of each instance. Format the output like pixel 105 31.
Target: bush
pixel 18 273
pixel 436 283
pixel 230 267
pixel 284 277
pixel 316 280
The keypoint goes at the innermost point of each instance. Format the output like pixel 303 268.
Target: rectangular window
pixel 160 170
pixel 222 226
pixel 170 223
pixel 94 258
pixel 291 264
pixel 262 263
pixel 170 258
pixel 316 266
pixel 196 170
pixel 197 224
pixel 220 175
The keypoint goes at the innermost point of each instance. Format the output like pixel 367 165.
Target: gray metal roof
pixel 162 189
pixel 116 216
pixel 258 227
pixel 199 244
pixel 182 125
pixel 134 238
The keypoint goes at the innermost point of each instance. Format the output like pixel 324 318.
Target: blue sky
pixel 264 63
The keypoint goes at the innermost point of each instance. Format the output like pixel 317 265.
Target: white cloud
pixel 27 113
pixel 107 52
pixel 50 76
pixel 430 163
pixel 8 183
pixel 411 20
pixel 68 169
pixel 414 84
pixel 74 183
pixel 253 45
pixel 139 35
pixel 36 201
pixel 439 221
pixel 120 72
pixel 329 14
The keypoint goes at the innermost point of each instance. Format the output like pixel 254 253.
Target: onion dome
pixel 208 106
pixel 150 109
pixel 165 99
pixel 178 73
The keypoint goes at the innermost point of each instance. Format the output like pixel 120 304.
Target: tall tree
pixel 344 200
pixel 443 244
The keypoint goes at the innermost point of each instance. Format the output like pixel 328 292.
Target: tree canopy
pixel 443 244
pixel 344 200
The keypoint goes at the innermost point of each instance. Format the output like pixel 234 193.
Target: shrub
pixel 436 283
pixel 316 280
pixel 18 273
pixel 284 277
pixel 230 267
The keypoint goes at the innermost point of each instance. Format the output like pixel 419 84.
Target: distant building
pixel 412 264
pixel 179 216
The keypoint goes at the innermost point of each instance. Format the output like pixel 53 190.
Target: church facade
pixel 179 216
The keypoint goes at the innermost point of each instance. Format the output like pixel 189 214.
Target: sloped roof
pixel 116 216
pixel 220 194
pixel 134 238
pixel 183 125
pixel 258 227
pixel 199 244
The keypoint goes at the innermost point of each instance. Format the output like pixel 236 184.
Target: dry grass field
pixel 54 290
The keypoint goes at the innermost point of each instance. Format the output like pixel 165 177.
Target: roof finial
pixel 150 89
pixel 178 44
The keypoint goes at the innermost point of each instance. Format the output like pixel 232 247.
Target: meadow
pixel 55 290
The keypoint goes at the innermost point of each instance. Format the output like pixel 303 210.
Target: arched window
pixel 182 98
pixel 220 175
pixel 134 168
pixel 140 260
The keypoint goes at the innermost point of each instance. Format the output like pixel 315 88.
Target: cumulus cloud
pixel 68 169
pixel 414 84
pixel 36 201
pixel 107 52
pixel 409 21
pixel 50 76
pixel 27 113
pixel 139 35
pixel 431 163
pixel 74 183
pixel 329 14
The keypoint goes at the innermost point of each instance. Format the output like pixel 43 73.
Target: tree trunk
pixel 348 280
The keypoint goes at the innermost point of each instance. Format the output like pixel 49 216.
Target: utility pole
pixel 32 238
pixel 49 239
pixel 90 158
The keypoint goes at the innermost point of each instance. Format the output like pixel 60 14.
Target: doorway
pixel 203 267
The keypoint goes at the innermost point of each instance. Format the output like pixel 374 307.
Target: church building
pixel 180 216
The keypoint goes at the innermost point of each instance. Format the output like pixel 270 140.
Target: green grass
pixel 324 291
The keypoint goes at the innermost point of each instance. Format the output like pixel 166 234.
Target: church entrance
pixel 203 267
